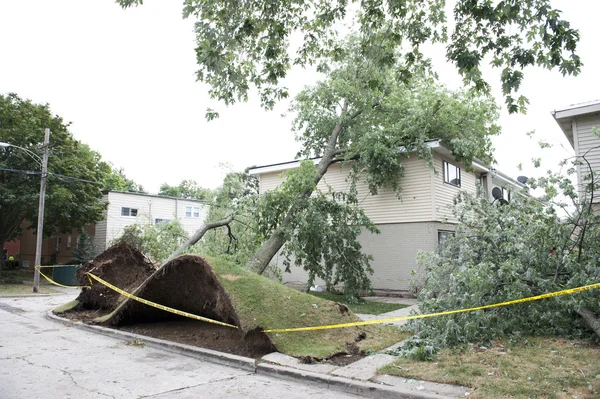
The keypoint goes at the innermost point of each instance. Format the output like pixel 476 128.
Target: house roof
pixel 435 145
pixel 564 116
pixel 152 195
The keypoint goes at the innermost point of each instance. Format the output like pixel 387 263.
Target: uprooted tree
pixel 362 116
pixel 528 247
pixel 376 103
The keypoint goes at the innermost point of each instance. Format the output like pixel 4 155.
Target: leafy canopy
pixel 188 189
pixel 248 43
pixel 76 173
pixel 506 252
pixel 362 116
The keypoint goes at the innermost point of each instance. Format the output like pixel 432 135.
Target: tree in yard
pixel 362 115
pixel 72 200
pixel 376 104
pixel 188 189
pixel 506 252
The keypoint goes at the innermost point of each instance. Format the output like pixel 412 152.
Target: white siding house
pixel 416 221
pixel 125 209
pixel 578 123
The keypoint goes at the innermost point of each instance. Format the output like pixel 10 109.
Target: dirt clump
pixel 188 283
pixel 122 266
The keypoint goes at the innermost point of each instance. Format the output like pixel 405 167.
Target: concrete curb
pixel 226 359
pixel 368 389
pixel 339 384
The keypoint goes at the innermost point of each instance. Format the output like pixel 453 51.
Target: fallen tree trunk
pixel 590 318
pixel 261 258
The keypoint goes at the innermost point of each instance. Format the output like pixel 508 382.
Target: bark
pixel 261 258
pixel 590 318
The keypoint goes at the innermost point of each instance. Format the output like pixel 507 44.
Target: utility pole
pixel 40 224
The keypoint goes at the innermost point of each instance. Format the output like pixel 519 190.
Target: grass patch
pixel 15 276
pixel 364 307
pixel 533 368
pixel 67 306
pixel 261 302
pixel 16 289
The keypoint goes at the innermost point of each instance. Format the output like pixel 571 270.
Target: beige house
pixel 420 220
pixel 578 123
pixel 125 209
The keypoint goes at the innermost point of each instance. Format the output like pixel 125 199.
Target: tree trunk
pixel 590 318
pixel 261 258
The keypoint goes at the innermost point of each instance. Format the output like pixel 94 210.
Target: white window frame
pixel 192 211
pixel 129 212
pixel 69 241
pixel 447 179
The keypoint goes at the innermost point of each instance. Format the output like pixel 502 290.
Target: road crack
pixel 196 385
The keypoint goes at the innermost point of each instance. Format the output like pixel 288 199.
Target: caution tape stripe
pixel 41 267
pixel 55 283
pixel 353 324
pixel 423 316
pixel 156 305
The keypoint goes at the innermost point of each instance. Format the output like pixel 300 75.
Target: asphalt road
pixel 42 359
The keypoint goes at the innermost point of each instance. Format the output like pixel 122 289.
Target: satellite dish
pixel 497 193
pixel 522 179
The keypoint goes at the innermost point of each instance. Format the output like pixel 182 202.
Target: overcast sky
pixel 126 81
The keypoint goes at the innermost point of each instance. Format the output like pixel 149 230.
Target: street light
pixel 40 225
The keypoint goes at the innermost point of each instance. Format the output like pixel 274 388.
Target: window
pixel 58 242
pixel 451 174
pixel 68 241
pixel 443 236
pixel 192 211
pixel 157 221
pixel 129 212
pixel 78 241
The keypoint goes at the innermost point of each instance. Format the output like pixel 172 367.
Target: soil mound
pixel 121 265
pixel 189 283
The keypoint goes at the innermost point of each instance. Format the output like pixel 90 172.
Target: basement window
pixel 451 174
pixel 443 236
pixel 128 211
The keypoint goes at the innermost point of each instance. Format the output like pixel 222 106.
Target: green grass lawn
pixel 533 368
pixel 364 307
pixel 261 302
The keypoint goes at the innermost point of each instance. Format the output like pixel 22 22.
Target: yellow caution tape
pixel 423 316
pixel 55 283
pixel 59 266
pixel 156 305
pixel 353 324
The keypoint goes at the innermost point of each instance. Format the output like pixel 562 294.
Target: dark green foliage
pixel 71 202
pixel 242 44
pixel 188 189
pixel 506 252
pixel 85 249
